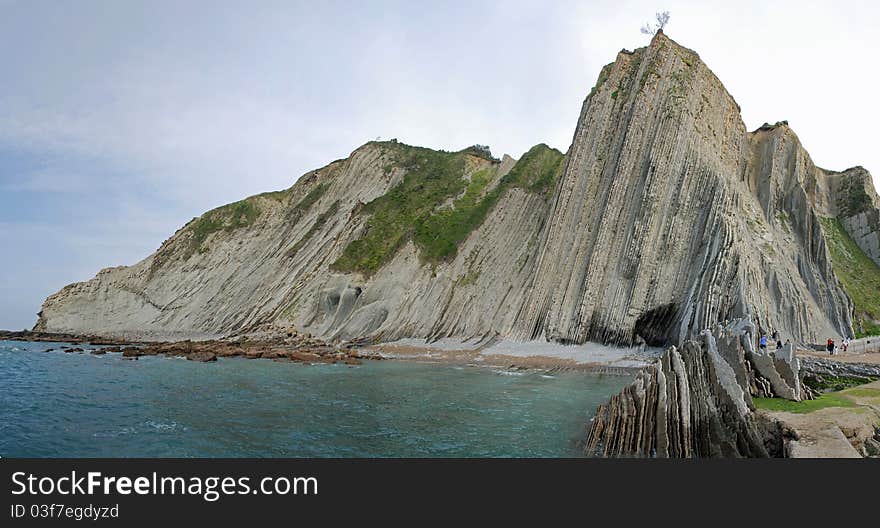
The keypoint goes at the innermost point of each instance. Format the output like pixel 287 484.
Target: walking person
pixel 778 343
pixel 763 342
pixel 830 346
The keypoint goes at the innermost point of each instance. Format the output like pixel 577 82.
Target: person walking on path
pixel 830 346
pixel 763 342
pixel 778 344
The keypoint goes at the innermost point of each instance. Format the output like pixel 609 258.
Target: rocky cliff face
pixel 665 216
pixel 858 208
pixel 696 402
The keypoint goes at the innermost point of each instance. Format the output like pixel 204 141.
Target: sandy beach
pixel 521 355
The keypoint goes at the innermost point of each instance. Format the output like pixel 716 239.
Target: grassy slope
pixel 410 211
pixel 826 400
pixel 858 274
pixel 243 214
pixel 228 217
pixel 844 398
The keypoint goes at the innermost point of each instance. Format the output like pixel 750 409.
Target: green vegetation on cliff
pixel 858 274
pixel 313 196
pixel 853 198
pixel 417 210
pixel 227 218
pixel 604 73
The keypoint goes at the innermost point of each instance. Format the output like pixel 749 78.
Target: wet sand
pixel 589 357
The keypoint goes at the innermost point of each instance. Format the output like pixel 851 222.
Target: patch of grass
pixel 784 221
pixel 431 178
pixel 276 195
pixel 864 392
pixel 537 171
pixel 411 210
pixel 833 383
pixel 832 399
pixel 866 328
pixel 858 274
pixel 309 199
pixel 226 218
pixel 604 73
pixel 439 235
pixel 469 278
pixel 853 198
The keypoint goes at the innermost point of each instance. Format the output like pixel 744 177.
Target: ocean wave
pixel 120 432
pixel 160 426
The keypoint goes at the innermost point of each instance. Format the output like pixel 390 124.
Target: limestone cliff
pixel 665 216
pixel 696 402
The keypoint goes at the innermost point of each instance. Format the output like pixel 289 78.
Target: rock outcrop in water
pixel 696 401
pixel 664 217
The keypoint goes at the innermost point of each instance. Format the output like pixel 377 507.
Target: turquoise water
pixel 56 404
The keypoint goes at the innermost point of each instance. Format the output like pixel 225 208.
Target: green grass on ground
pixel 831 399
pixel 864 392
pixel 827 383
pixel 858 274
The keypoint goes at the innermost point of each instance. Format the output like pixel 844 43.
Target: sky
pixel 122 120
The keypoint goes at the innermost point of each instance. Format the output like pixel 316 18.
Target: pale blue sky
pixel 121 120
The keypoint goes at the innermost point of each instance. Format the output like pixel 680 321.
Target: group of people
pixel 762 342
pixel 831 347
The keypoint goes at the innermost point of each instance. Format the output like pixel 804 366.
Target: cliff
pixel 696 401
pixel 664 217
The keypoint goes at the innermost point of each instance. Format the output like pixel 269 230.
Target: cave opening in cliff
pixel 654 325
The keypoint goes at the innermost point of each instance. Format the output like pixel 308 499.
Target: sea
pixel 57 404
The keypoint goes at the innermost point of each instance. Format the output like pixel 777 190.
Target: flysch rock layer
pixel 696 401
pixel 668 217
pixel 858 207
pixel 671 217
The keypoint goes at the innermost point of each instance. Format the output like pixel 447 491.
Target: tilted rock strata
pixel 667 216
pixel 696 402
pixel 671 217
pixel 242 278
pixel 858 208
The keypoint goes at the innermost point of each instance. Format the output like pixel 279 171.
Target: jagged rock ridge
pixel 697 402
pixel 664 217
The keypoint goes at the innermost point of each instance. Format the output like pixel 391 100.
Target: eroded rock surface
pixel 696 402
pixel 665 216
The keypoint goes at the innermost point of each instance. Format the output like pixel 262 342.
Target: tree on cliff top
pixel 662 19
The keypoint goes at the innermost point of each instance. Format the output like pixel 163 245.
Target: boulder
pixel 203 356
